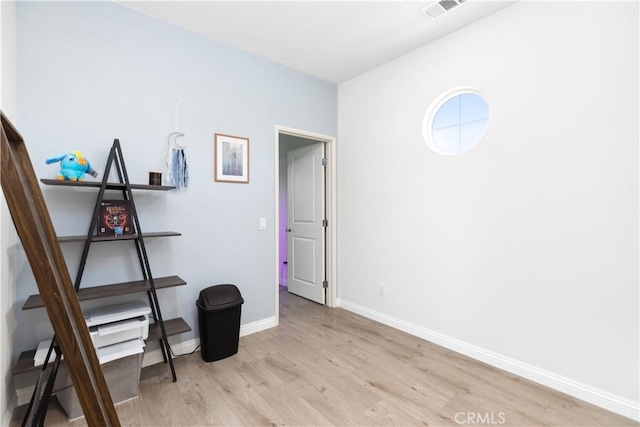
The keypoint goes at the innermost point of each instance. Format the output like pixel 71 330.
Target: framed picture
pixel 231 158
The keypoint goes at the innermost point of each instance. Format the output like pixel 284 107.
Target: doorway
pixel 290 140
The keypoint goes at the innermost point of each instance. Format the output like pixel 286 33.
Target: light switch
pixel 263 223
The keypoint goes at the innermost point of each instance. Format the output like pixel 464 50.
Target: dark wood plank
pixel 110 185
pixel 24 363
pixel 35 229
pixel 96 238
pixel 104 291
pixel 173 327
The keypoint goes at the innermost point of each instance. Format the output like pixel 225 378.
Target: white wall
pixel 526 246
pixel 7 231
pixel 94 71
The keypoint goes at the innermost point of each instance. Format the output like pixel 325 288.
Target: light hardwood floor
pixel 325 366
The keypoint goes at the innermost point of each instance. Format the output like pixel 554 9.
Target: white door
pixel 306 212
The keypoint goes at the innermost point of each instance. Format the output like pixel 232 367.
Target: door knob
pixel 288 229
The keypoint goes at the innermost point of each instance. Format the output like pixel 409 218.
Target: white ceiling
pixel 331 40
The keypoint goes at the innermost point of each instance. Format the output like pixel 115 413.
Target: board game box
pixel 115 218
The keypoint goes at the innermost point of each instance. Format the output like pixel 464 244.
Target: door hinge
pixel 325 223
pixel 325 162
pixel 325 284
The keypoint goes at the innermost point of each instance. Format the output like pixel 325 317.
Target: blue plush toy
pixel 73 166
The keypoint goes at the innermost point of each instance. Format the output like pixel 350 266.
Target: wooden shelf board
pixel 96 238
pixel 110 185
pixel 25 363
pixel 173 327
pixel 104 291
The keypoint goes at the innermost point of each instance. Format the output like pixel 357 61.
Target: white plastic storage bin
pixel 116 313
pixel 121 364
pixel 124 330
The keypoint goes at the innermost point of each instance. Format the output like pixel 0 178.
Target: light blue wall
pixel 90 72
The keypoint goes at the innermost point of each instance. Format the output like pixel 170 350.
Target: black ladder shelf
pixel 116 157
pixel 160 329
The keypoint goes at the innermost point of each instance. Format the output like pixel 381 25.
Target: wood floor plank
pixel 530 390
pixel 293 408
pixel 333 395
pixel 201 397
pixel 259 346
pixel 250 408
pixel 283 367
pixel 164 404
pixel 510 398
pixel 384 377
pixel 255 372
pixel 132 412
pixel 566 409
pixel 491 410
pixel 333 403
pixel 325 366
pixel 386 414
pixel 209 407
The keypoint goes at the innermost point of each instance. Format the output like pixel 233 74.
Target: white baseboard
pixel 155 356
pixel 595 396
pixel 259 325
pixel 23 395
pixel 8 415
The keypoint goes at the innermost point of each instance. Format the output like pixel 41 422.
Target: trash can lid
pixel 220 297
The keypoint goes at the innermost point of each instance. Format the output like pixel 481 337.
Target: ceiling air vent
pixel 436 9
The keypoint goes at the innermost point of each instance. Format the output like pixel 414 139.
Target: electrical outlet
pixel 382 289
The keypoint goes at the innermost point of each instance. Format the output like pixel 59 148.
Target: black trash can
pixel 219 309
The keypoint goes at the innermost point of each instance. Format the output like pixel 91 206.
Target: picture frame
pixel 231 158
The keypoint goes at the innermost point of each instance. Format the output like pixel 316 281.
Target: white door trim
pixel 330 141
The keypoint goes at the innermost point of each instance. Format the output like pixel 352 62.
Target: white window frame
pixel 432 111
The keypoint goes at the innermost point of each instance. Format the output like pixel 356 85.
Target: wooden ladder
pixel 35 229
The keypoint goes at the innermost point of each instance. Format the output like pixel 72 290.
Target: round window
pixel 455 121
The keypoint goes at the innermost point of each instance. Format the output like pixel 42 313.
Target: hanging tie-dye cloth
pixel 177 167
